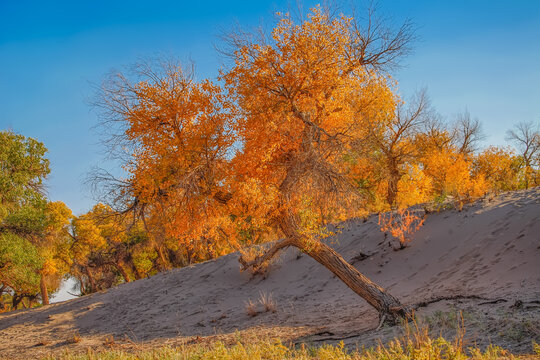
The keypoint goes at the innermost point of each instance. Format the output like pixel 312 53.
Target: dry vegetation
pixel 415 345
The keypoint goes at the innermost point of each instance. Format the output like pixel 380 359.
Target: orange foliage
pixel 500 167
pixel 401 224
pixel 303 119
pixel 182 129
pixel 452 176
pixel 305 99
pixel 414 187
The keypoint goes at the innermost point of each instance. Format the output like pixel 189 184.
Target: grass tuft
pixel 267 301
pixel 251 308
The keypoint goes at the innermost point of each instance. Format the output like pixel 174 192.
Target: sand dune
pixel 484 261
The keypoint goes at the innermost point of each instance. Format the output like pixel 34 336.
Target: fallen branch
pixel 458 297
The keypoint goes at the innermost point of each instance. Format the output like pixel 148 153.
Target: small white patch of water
pixel 65 292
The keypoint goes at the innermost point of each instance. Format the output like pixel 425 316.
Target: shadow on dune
pixel 489 250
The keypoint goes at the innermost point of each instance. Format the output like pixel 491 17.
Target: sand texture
pixel 483 261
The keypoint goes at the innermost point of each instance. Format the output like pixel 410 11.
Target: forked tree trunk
pixel 389 308
pixel 44 292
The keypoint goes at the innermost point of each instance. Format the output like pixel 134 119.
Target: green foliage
pixel 28 219
pixel 22 171
pixel 33 231
pixel 19 263
pixel 22 210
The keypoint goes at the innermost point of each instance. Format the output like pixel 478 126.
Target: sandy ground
pixel 482 263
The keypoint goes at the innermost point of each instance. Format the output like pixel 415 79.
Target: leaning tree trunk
pixel 389 308
pixel 44 292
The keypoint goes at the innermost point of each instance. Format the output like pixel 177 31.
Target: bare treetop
pixel 526 136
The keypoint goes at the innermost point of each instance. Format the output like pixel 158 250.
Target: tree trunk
pixel 44 292
pixel 15 300
pixel 2 304
pixel 389 308
pixel 123 271
pixel 91 280
pixel 32 300
pixel 162 263
pixel 392 183
pixel 136 271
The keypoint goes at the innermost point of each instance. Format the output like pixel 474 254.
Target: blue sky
pixel 483 55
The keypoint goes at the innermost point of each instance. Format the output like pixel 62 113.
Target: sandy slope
pixel 485 260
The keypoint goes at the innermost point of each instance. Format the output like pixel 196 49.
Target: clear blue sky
pixel 483 55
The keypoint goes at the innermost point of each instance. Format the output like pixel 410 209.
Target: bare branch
pixel 377 44
pixel 467 133
pixel 526 136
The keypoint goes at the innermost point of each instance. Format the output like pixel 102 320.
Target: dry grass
pixel 43 342
pixel 418 346
pixel 267 301
pixel 74 339
pixel 109 341
pixel 251 308
pixel 260 344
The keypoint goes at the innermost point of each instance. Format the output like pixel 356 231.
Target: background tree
pixel 446 160
pixel 109 248
pixel 178 133
pixel 467 133
pixel 30 242
pixel 526 136
pixel 500 167
pixel 53 248
pixel 394 140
